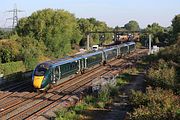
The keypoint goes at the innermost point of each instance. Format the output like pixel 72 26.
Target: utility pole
pixel 150 39
pixel 88 34
pixel 15 15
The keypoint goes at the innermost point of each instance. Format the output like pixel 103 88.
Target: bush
pixel 90 99
pixel 157 104
pixel 138 98
pixel 162 75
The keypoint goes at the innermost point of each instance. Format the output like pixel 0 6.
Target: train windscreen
pixel 41 70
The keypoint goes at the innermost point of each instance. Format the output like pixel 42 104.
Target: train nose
pixel 38 81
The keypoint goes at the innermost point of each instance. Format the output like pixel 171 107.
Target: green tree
pixel 58 29
pixel 156 31
pixel 91 24
pixel 30 51
pixel 9 50
pixel 132 26
pixel 176 26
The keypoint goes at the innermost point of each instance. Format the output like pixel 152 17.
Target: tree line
pixel 49 34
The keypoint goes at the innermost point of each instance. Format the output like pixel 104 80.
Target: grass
pixel 123 79
pixel 65 114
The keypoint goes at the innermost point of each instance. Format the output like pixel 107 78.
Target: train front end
pixel 41 77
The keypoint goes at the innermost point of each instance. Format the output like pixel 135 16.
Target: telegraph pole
pixel 15 12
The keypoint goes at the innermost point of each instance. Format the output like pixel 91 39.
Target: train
pixel 54 72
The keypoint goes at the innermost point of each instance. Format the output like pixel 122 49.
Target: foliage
pixel 176 25
pixel 57 29
pixel 156 31
pixel 156 104
pixel 12 67
pixel 5 34
pixel 138 98
pixel 65 114
pixel 31 50
pixel 104 95
pixel 132 26
pixel 114 91
pixel 91 24
pixel 162 75
pixel 89 99
pixel 171 53
pixel 78 108
pixel 9 50
pixel 121 81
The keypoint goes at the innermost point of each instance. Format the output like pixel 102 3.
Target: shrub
pixel 161 75
pixel 138 98
pixel 159 105
pixel 90 99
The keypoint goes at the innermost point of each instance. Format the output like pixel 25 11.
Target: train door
pixel 56 74
pixel 85 63
pixel 82 64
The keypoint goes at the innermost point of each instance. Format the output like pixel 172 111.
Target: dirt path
pixel 120 106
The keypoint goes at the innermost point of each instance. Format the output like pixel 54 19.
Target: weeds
pixel 65 114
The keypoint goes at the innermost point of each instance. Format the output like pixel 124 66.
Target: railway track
pixel 30 105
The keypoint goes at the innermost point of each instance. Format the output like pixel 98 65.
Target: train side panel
pixel 69 69
pixel 124 50
pixel 93 60
pixel 111 53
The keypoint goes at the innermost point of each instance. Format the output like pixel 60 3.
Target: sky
pixel 113 12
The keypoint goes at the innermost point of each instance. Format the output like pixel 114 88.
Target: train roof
pixel 65 61
pixel 123 44
pixel 71 59
pixel 91 54
pixel 110 48
pixel 130 43
pixel 68 59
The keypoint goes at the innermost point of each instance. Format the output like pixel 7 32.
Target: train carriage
pixel 93 59
pixel 110 53
pixel 52 71
pixel 131 46
pixel 123 48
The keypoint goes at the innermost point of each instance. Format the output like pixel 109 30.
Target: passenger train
pixel 56 71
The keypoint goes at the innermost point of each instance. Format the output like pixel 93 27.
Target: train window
pixel 40 70
pixel 73 65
